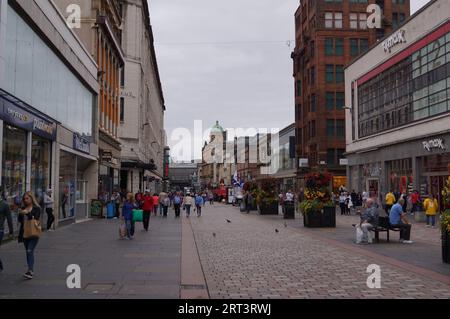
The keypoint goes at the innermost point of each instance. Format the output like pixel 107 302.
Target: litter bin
pixel 110 210
pixel 96 208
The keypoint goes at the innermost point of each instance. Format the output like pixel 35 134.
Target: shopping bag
pixel 138 215
pixel 31 228
pixel 359 234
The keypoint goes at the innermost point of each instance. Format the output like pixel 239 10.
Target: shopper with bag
pixel 198 204
pixel 30 229
pixel 369 220
pixel 188 201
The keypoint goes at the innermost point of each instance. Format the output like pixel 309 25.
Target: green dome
pixel 217 129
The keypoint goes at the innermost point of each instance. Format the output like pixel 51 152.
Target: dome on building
pixel 217 129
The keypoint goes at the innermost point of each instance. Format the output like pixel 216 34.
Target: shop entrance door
pixel 437 184
pixel 373 186
pixel 67 199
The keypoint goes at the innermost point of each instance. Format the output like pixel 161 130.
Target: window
pixel 339 73
pixel 122 109
pixel 363 45
pixel 339 46
pixel 329 97
pixel 313 128
pixel 363 21
pixel 358 20
pixel 122 76
pixel 330 128
pixel 340 100
pixel 329 46
pixel 354 49
pixel 313 102
pixel 329 76
pixel 312 48
pixel 340 154
pixel 353 21
pixel 331 156
pixel 328 19
pixel 333 20
pixel 299 88
pixel 340 128
pixel 313 75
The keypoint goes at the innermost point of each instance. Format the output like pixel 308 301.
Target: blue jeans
pixel 161 209
pixel 188 209
pixel 30 245
pixel 130 228
pixel 433 220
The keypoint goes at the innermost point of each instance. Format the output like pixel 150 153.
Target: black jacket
pixel 5 214
pixel 35 212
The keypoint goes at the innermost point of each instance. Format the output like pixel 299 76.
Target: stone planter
pixel 268 208
pixel 446 247
pixel 420 217
pixel 319 219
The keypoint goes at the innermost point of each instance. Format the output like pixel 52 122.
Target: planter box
pixel 446 247
pixel 319 219
pixel 420 217
pixel 289 211
pixel 268 209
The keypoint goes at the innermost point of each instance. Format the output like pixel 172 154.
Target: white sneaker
pixel 407 242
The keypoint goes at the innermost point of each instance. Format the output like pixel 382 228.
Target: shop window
pixel 67 185
pixel 14 165
pixel 40 167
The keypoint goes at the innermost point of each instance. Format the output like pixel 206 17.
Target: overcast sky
pixel 227 61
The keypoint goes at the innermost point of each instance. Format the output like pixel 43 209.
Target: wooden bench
pixel 383 226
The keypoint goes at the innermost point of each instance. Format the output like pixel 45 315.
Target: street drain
pixel 191 287
pixel 99 287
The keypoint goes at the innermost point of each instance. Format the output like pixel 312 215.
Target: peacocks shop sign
pixel 17 116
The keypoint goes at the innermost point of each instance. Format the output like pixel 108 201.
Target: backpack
pixel 177 200
pixel 198 200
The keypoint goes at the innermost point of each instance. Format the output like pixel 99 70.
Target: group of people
pixel 348 201
pixel 412 202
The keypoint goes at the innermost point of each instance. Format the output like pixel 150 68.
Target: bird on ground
pixel 276 230
pixel 228 221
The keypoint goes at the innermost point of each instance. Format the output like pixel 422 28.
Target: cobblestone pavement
pixel 247 258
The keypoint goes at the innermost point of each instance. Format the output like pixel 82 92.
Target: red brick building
pixel 330 34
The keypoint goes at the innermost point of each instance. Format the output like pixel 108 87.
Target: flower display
pixel 316 194
pixel 445 217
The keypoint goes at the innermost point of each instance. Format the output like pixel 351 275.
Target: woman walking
pixel 30 210
pixel 127 214
pixel 155 203
pixel 187 204
pixel 147 207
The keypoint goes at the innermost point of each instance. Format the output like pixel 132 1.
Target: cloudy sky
pixel 227 61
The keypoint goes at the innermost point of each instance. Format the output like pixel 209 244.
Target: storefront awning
pixel 139 165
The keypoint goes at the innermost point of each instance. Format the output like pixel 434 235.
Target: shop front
pixel 108 175
pixel 420 164
pixel 27 137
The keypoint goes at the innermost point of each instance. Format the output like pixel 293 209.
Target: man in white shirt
pixel 48 205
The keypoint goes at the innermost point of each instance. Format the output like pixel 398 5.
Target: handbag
pixel 138 215
pixel 359 234
pixel 31 228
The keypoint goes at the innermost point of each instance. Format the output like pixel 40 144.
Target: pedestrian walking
pixel 431 207
pixel 342 205
pixel 116 199
pixel 177 204
pixel 127 214
pixel 5 216
pixel 248 200
pixel 48 205
pixel 138 199
pixel 365 198
pixel 165 205
pixel 162 197
pixel 205 198
pixel 147 207
pixel 211 198
pixel 414 198
pixel 30 211
pixel 155 204
pixel 188 202
pixel 198 204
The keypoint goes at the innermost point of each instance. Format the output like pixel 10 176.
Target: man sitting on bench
pixel 369 220
pixel 397 219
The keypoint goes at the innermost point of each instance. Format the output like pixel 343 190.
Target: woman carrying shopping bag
pixel 30 229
